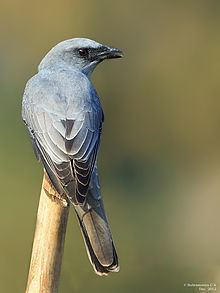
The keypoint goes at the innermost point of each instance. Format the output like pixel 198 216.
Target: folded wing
pixel 67 147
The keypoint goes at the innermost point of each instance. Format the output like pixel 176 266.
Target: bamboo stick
pixel 48 244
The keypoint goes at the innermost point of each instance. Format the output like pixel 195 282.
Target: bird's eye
pixel 83 52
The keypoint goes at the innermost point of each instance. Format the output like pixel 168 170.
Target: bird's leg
pixel 52 193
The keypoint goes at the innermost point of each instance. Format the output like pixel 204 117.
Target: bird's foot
pixel 52 193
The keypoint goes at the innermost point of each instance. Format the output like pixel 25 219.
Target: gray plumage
pixel 64 117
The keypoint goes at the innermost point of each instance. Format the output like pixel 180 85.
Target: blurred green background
pixel 160 152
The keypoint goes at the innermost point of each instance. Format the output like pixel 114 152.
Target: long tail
pixel 97 235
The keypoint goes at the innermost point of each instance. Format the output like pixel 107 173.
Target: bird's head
pixel 79 54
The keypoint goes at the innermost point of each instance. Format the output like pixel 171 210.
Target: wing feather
pixel 66 136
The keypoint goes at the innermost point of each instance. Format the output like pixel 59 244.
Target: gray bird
pixel 64 117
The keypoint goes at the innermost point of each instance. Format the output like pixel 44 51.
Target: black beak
pixel 105 52
pixel 111 53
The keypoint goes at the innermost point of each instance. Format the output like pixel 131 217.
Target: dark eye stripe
pixel 83 52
